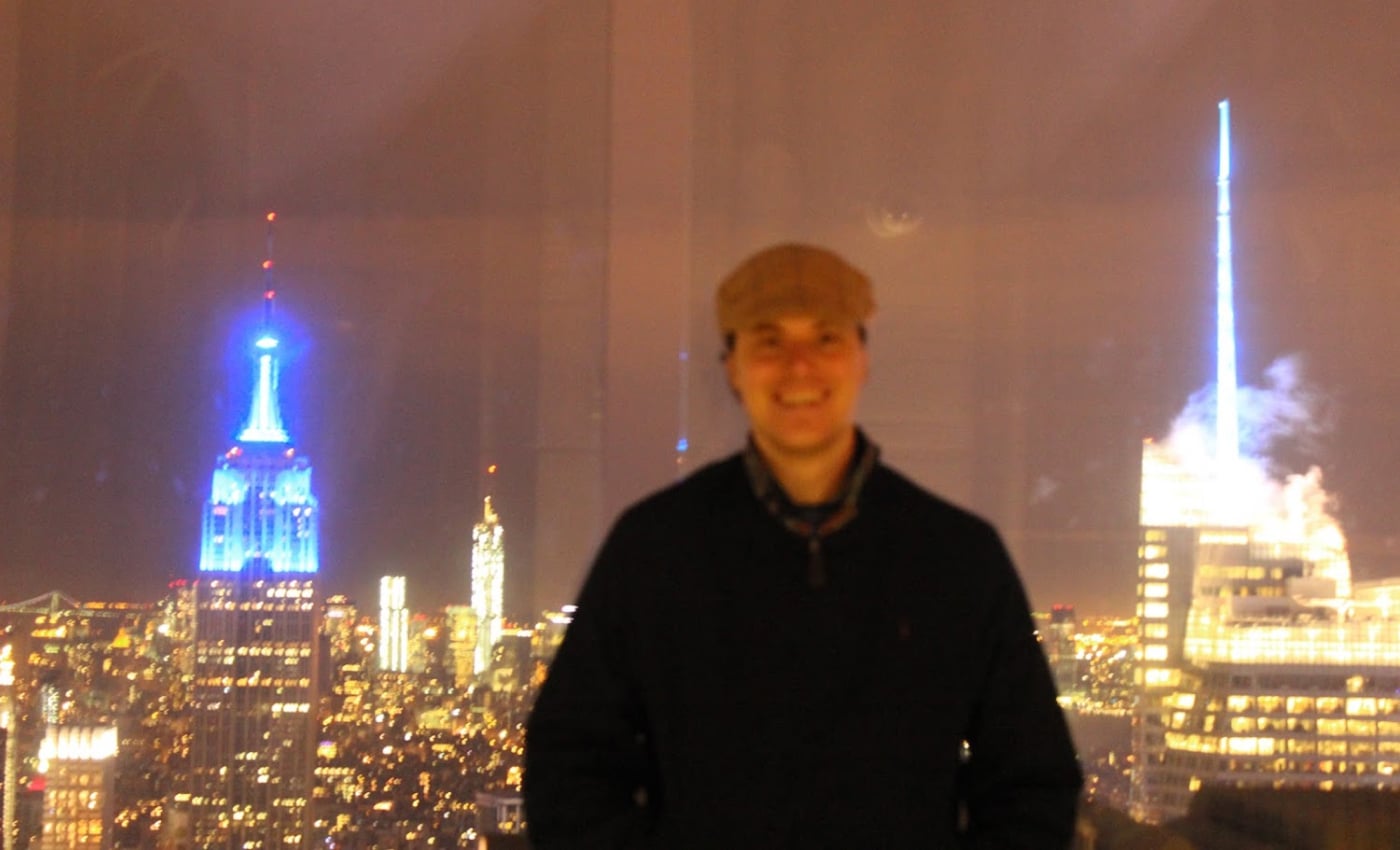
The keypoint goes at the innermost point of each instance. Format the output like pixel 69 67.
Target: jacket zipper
pixel 816 567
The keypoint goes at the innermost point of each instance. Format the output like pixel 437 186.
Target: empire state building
pixel 256 652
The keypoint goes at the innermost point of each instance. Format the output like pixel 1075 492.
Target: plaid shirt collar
pixel 812 521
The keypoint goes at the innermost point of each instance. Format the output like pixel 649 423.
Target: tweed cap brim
pixel 788 280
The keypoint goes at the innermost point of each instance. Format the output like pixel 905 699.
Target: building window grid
pixel 1355 744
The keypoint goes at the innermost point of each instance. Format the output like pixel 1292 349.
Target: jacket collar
pixel 812 520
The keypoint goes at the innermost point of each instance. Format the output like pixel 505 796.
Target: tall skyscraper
pixel 393 625
pixel 488 583
pixel 1261 665
pixel 256 652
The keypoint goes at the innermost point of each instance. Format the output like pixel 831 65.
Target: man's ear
pixel 727 358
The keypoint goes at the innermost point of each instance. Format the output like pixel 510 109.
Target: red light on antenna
pixel 267 264
pixel 272 216
pixel 270 294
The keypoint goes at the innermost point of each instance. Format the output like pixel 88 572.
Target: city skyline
pixel 1041 264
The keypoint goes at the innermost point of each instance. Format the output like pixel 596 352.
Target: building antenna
pixel 1227 426
pixel 269 290
pixel 265 417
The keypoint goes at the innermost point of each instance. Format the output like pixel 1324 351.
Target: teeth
pixel 800 398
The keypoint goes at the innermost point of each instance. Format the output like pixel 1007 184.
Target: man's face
pixel 798 378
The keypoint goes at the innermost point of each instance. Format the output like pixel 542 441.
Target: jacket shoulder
pixel 693 497
pixel 891 493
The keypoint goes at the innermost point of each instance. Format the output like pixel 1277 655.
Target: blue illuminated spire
pixel 1227 427
pixel 262 514
pixel 264 423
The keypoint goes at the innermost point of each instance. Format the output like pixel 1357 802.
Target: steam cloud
pixel 1277 505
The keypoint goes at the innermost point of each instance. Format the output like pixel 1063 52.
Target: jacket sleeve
pixel 586 758
pixel 1022 780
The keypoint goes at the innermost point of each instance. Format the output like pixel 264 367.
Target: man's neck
pixel 811 478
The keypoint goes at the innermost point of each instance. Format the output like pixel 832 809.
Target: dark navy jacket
pixel 710 694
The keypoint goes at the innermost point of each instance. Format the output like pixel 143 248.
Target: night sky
pixel 1031 188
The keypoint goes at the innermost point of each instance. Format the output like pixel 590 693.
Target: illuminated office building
pixel 393 625
pixel 175 627
pixel 500 813
pixel 338 625
pixel 549 633
pixel 461 644
pixel 256 647
pixel 1260 665
pixel 9 717
pixel 1057 639
pixel 488 583
pixel 427 645
pixel 78 768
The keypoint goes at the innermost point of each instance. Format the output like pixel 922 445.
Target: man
pixel 796 647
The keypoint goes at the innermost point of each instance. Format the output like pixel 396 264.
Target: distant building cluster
pixel 246 709
pixel 100 725
pixel 1093 659
pixel 75 683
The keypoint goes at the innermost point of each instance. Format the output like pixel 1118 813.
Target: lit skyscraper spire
pixel 261 508
pixel 1227 425
pixel 488 581
pixel 265 418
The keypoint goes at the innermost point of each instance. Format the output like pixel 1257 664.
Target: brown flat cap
pixel 792 279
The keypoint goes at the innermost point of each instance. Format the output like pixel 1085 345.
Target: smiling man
pixel 797 647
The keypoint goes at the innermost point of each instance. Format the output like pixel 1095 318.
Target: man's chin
pixel 801 446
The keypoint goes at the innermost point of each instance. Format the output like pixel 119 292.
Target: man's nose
pixel 800 356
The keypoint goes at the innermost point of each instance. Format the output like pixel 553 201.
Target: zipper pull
pixel 816 568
